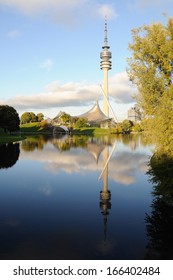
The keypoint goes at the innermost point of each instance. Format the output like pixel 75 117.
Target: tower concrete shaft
pixel 105 65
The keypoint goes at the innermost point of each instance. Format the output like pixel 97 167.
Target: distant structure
pixel 96 117
pixel 134 114
pixel 105 65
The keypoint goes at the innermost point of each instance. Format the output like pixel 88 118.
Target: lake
pixel 75 197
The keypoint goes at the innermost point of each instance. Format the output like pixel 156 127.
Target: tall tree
pixel 151 69
pixel 9 118
pixel 28 117
pixel 40 117
pixel 65 119
pixel 25 118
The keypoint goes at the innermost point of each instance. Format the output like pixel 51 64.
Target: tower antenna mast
pixel 105 65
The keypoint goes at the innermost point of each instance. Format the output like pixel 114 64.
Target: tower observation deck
pixel 105 65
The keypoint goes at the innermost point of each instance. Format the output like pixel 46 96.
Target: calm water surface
pixel 53 205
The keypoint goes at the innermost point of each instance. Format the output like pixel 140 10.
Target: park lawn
pixel 36 128
pixel 31 127
pixel 6 138
pixel 93 131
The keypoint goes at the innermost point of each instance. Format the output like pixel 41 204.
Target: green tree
pixel 9 118
pixel 33 117
pixel 28 117
pixel 81 122
pixel 73 121
pixel 127 125
pixel 25 118
pixel 151 69
pixel 159 221
pixel 65 119
pixel 40 117
pixel 137 127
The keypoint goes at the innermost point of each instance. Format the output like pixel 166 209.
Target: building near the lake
pixel 134 114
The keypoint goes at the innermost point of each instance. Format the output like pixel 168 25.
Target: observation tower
pixel 105 65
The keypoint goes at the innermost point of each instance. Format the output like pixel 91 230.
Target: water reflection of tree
pixel 37 142
pixel 81 141
pixel 159 223
pixel 9 155
pixel 70 142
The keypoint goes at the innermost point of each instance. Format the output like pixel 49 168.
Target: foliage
pixel 44 124
pixel 151 69
pixel 81 122
pixel 127 125
pixel 29 117
pixel 137 127
pixel 26 118
pixel 65 119
pixel 119 128
pixel 73 120
pixel 159 221
pixel 9 118
pixel 160 172
pixel 40 117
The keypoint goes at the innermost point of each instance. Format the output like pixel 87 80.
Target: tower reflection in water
pixel 105 194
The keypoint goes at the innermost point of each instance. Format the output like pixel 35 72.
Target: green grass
pixel 32 128
pixel 5 138
pixel 36 128
pixel 93 131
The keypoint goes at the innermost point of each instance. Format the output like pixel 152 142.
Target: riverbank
pixel 93 131
pixel 36 128
pixel 7 138
pixel 44 128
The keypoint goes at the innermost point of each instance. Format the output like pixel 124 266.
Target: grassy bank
pixel 37 128
pixel 5 138
pixel 32 128
pixel 93 131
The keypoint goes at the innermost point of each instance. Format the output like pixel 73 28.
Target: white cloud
pixel 14 33
pixel 74 94
pixel 121 88
pixel 47 65
pixel 64 12
pixel 123 166
pixel 106 10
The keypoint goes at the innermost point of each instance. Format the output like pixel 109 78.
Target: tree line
pixel 29 117
pixel 10 120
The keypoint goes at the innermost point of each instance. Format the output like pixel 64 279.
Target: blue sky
pixel 50 52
